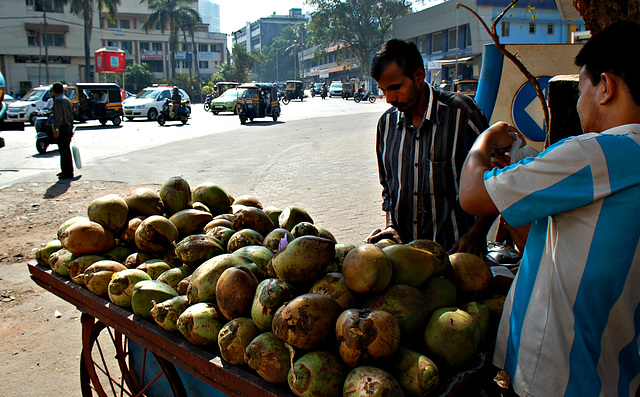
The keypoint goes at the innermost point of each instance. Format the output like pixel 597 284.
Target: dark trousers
pixel 64 148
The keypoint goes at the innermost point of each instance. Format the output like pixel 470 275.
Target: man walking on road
pixel 422 142
pixel 63 129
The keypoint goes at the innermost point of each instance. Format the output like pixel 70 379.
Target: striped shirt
pixel 571 321
pixel 419 168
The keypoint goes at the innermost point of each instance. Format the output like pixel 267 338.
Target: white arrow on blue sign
pixel 526 110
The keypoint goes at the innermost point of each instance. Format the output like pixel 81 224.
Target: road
pixel 319 154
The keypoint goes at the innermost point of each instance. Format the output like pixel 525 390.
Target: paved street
pixel 319 155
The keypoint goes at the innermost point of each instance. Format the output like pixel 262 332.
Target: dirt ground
pixel 39 333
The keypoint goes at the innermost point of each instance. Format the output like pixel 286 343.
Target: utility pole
pixel 44 39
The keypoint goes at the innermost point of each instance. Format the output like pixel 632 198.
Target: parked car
pixel 335 89
pixel 467 87
pixel 227 102
pixel 26 109
pixel 148 102
pixel 8 98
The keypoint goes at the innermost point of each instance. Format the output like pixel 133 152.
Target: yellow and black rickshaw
pixel 294 90
pixel 257 101
pixel 86 105
pixel 347 90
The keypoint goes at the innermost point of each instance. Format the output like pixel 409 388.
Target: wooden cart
pixel 149 358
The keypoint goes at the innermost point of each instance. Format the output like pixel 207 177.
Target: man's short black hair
pixel 57 87
pixel 609 51
pixel 403 53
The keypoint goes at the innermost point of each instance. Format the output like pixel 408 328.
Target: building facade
pixel 256 34
pixel 42 47
pixel 210 14
pixel 451 39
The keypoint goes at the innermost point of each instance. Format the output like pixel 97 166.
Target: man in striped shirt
pixel 571 321
pixel 422 142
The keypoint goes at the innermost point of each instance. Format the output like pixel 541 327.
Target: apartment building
pixel 258 33
pixel 44 43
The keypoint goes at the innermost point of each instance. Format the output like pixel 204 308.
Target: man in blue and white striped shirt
pixel 571 322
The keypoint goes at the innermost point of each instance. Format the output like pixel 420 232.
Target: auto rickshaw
pixel 220 87
pixel 347 90
pixel 84 97
pixel 257 101
pixel 294 90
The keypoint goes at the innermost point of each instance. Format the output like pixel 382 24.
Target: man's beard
pixel 412 101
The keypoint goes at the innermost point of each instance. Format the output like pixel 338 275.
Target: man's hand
pixel 377 235
pixel 56 133
pixel 472 242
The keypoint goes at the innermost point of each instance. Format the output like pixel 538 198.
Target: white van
pixel 26 109
pixel 148 102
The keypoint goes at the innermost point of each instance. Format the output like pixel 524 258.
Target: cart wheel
pixel 104 365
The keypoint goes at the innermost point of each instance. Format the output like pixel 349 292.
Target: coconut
pixel 79 265
pixel 470 273
pixel 190 221
pixel 291 216
pixel 175 194
pixel 128 235
pixel 111 211
pixel 173 276
pixel 307 322
pixel 304 259
pixel 99 274
pixel 44 252
pixel 444 265
pixel 214 197
pixel 274 214
pixel 406 303
pixel 247 200
pixel 166 313
pixel 235 290
pixel 156 234
pixel 366 268
pixel 304 229
pixel 452 336
pixel 65 225
pixel 273 239
pixel 367 336
pixel 252 218
pixel 371 381
pixel 270 294
pixel 120 288
pixel 195 249
pixel 137 258
pixel 416 373
pixel 89 237
pixel 200 324
pixel 439 292
pixel 268 356
pixel 154 267
pixel 333 285
pixel 146 292
pixel 411 266
pixel 234 337
pixel 243 238
pixel 60 261
pixel 481 313
pixel 144 201
pixel 259 255
pixel 222 233
pixel 202 285
pixel 317 373
pixel 119 253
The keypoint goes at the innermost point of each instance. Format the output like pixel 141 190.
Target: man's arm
pixel 474 197
pixel 388 232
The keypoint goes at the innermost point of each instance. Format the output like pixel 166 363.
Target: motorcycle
pixel 44 130
pixel 323 92
pixel 182 115
pixel 207 102
pixel 366 96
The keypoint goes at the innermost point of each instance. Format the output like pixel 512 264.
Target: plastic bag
pixel 517 153
pixel 75 152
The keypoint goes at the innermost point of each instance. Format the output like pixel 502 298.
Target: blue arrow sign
pixel 527 112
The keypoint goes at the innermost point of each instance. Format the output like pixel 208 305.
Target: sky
pixel 234 14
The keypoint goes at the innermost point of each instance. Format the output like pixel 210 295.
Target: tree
pixel 245 61
pixel 279 54
pixel 137 77
pixel 188 26
pixel 170 14
pixel 359 26
pixel 86 9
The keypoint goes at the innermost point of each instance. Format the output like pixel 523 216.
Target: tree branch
pixel 523 69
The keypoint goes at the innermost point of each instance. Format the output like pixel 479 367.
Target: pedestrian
pixel 63 129
pixel 103 99
pixel 570 321
pixel 422 142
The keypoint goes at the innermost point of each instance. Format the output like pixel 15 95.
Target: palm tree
pixel 189 26
pixel 170 14
pixel 85 9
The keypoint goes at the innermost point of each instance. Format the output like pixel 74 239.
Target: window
pixel 505 29
pixel 452 42
pixel 216 48
pixel 127 47
pixel 203 47
pixel 156 46
pixel 112 43
pixel 550 28
pixel 469 43
pixel 144 46
pixel 35 39
pixel 125 24
pixel 203 64
pixel 532 28
pixel 154 66
pixel 47 5
pixel 436 42
pixel 111 25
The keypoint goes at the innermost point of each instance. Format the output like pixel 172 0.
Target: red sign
pixel 110 60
